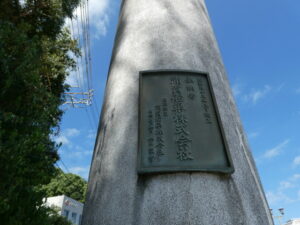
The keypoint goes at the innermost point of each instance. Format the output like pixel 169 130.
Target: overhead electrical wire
pixel 86 50
pixel 80 31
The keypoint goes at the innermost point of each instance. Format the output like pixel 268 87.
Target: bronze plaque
pixel 179 124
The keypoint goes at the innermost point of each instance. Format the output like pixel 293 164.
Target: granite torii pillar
pixel 167 35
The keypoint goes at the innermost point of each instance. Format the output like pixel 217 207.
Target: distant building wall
pixel 69 208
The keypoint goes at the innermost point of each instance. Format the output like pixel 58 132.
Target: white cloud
pixel 77 169
pixel 81 171
pixel 253 134
pixel 236 90
pixel 72 132
pixel 295 177
pixel 79 154
pixel 84 153
pixel 91 134
pixel 276 150
pixel 99 11
pixel 257 94
pixel 101 27
pixel 99 16
pixel 76 77
pixel 280 87
pixel 71 80
pixel 296 161
pixel 62 139
pixel 286 185
pixel 278 197
pixel 76 152
pixel 298 90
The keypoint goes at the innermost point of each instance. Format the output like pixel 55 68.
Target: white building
pixel 293 222
pixel 69 208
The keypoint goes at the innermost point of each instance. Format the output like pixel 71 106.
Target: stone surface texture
pixel 167 34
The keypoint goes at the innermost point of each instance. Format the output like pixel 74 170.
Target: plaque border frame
pixel 152 170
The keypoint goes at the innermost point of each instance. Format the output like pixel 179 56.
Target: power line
pixel 80 31
pixel 65 175
pixel 63 165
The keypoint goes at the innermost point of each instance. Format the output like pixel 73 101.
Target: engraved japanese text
pixel 180 121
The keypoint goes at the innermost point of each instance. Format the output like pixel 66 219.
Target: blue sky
pixel 260 46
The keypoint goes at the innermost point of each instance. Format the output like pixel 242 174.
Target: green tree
pixel 56 219
pixel 53 217
pixel 67 184
pixel 34 62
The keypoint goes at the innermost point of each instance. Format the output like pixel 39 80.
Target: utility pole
pixel 171 149
pixel 79 99
pixel 278 216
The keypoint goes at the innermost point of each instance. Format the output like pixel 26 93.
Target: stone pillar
pixel 167 34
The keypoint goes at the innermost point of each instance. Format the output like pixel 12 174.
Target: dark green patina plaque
pixel 179 124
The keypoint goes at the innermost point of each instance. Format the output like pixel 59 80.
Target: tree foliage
pixel 67 184
pixel 54 218
pixel 34 62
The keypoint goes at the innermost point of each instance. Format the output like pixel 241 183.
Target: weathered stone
pixel 167 34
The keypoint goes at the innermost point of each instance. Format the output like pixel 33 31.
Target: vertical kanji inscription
pixel 180 120
pixel 179 125
pixel 204 101
pixel 159 141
